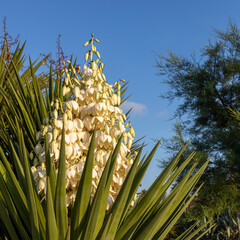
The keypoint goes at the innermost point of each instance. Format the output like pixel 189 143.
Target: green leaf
pixel 60 196
pixel 12 210
pixel 30 194
pixel 42 106
pixel 50 85
pixel 96 204
pixel 51 225
pixel 15 190
pixel 7 221
pixel 50 169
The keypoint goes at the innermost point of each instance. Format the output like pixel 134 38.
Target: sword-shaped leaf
pixel 60 195
pixel 30 193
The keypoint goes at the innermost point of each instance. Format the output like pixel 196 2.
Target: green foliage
pixel 209 88
pixel 24 215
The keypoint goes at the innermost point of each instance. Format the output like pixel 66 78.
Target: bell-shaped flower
pixel 78 149
pixel 71 172
pixel 49 136
pixel 87 71
pixel 100 108
pixel 94 173
pixel 115 99
pixel 73 137
pixel 88 123
pixel 76 91
pixel 83 112
pixel 78 124
pixel 91 108
pixel 57 154
pixel 69 125
pixel 42 185
pixel 68 151
pixel 74 106
pixel 38 148
pixel 90 92
pixel 99 77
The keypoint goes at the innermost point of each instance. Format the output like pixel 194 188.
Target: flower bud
pixel 35 161
pixel 64 90
pixel 115 99
pixel 132 131
pixel 65 118
pixel 93 65
pixel 98 54
pixel 68 106
pixel 38 136
pixel 55 122
pixel 69 114
pixel 57 105
pixel 113 121
pixel 55 134
pixel 103 77
pixel 99 87
pixel 107 104
pixel 86 43
pixel 46 120
pixel 86 56
pixel 118 100
pixel 55 114
pixel 129 143
pixel 77 91
pixel 125 139
pixel 45 130
pixel 31 155
pixel 96 95
pixel 114 142
pixel 107 129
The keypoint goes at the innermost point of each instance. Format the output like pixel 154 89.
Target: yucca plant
pixel 33 207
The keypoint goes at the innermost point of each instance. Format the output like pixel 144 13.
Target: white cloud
pixel 161 114
pixel 137 108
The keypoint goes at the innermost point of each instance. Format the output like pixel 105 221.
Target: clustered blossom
pixel 90 104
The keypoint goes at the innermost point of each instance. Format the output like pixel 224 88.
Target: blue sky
pixel 130 32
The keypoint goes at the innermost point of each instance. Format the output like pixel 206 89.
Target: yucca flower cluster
pixel 90 103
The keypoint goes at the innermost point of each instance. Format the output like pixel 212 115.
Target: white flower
pixel 99 77
pixel 73 137
pixel 90 92
pixel 74 106
pixel 88 123
pixel 77 91
pixel 100 107
pixel 68 151
pixel 42 185
pixel 69 125
pixel 115 99
pixel 78 124
pixel 38 148
pixel 87 71
pixel 49 136
pixel 91 107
